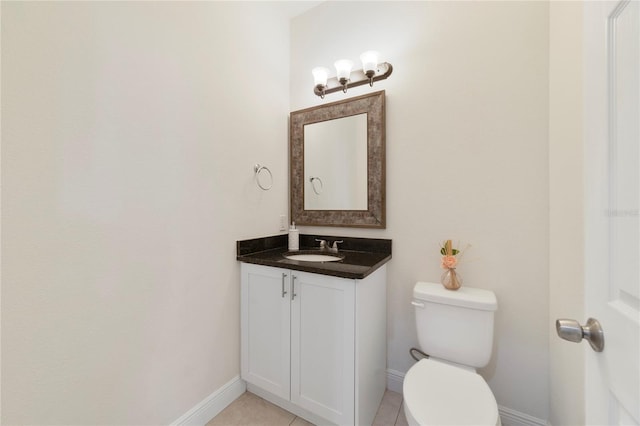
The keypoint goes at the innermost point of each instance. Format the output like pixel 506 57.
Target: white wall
pixel 566 199
pixel 129 135
pixel 467 159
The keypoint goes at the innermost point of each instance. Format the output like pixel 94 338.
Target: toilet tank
pixel 455 326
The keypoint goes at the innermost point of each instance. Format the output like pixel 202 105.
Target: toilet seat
pixel 436 393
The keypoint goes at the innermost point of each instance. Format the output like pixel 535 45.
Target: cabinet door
pixel 322 345
pixel 265 328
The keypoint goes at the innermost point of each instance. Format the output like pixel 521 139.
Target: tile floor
pixel 251 410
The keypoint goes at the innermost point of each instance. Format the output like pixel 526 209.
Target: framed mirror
pixel 337 163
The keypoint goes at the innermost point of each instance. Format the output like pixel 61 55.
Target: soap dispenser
pixel 294 238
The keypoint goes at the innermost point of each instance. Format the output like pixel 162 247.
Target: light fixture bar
pixel 357 78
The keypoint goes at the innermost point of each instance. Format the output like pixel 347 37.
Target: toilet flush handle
pixel 418 304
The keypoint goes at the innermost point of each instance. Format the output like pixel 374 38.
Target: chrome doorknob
pixel 572 331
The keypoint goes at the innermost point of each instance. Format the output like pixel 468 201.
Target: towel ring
pixel 312 179
pixel 258 169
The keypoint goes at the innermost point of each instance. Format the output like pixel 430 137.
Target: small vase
pixel 450 279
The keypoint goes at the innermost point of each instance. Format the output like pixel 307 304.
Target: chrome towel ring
pixel 313 180
pixel 258 169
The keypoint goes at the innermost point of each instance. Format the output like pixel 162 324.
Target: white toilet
pixel 455 328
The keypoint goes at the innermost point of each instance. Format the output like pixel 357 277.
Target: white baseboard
pixel 511 417
pixel 394 380
pixel 508 416
pixel 209 407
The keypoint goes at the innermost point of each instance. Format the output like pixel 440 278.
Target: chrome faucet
pixel 334 248
pixel 325 245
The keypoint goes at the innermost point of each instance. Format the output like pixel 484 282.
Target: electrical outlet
pixel 283 222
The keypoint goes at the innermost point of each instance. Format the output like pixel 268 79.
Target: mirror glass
pixel 337 163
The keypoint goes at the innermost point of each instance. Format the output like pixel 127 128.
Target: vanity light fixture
pixel 371 71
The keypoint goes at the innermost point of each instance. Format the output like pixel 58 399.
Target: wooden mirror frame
pixel 373 105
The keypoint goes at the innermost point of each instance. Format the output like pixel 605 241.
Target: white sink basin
pixel 306 257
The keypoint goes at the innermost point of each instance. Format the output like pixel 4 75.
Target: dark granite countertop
pixel 362 256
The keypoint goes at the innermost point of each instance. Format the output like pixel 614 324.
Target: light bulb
pixel 369 64
pixel 369 60
pixel 343 70
pixel 320 75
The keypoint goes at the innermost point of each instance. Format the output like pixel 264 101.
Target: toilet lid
pixel 436 393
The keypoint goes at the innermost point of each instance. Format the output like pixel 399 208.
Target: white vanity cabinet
pixel 315 344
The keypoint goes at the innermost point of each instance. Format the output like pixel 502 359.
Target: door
pixel 323 346
pixel 612 160
pixel 265 325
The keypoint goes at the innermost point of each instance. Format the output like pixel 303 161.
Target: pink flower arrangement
pixel 450 279
pixel 449 260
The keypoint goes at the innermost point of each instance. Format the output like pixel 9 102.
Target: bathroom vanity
pixel 313 334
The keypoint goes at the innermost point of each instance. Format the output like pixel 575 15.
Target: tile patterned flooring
pixel 251 410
